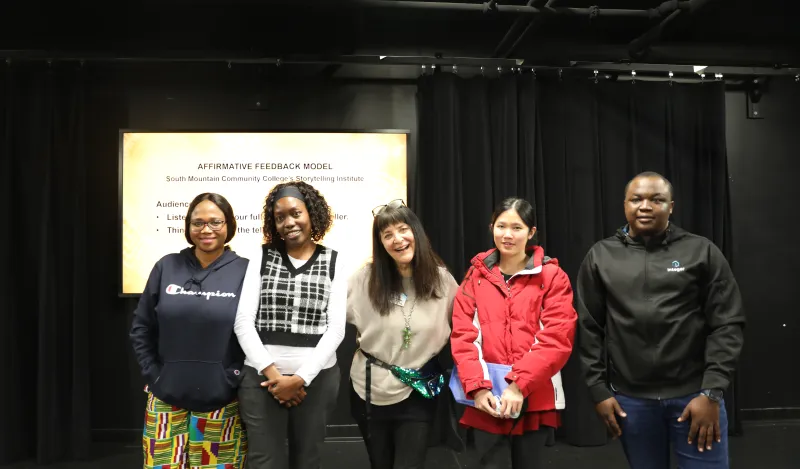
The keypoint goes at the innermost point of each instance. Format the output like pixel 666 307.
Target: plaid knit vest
pixel 293 308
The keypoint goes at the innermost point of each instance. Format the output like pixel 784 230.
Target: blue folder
pixel 497 374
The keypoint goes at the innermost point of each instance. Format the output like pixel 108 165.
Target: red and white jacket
pixel 528 323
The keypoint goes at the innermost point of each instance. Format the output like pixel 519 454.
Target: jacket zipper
pixel 503 281
pixel 647 298
pixel 508 290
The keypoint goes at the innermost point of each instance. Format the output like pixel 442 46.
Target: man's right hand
pixel 484 400
pixel 608 411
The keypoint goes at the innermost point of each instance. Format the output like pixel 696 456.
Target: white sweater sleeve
pixel 333 336
pixel 245 325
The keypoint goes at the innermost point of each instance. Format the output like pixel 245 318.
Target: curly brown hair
pixel 319 212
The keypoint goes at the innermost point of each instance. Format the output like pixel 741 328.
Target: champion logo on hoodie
pixel 173 289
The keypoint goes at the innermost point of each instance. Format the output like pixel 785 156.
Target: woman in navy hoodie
pixel 183 338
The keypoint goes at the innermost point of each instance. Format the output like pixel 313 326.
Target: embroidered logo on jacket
pixel 173 289
pixel 676 267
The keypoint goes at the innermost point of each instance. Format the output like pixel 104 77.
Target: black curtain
pixel 43 337
pixel 569 147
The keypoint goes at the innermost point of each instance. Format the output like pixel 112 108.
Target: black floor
pixel 764 445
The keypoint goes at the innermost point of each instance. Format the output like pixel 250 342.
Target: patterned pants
pixel 175 438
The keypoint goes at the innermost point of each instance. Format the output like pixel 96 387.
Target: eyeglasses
pixel 214 225
pixel 393 204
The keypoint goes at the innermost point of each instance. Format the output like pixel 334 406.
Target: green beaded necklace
pixel 407 330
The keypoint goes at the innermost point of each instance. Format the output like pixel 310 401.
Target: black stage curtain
pixel 570 147
pixel 43 337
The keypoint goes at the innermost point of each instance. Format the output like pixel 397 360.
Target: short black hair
pixel 319 212
pixel 224 206
pixel 651 174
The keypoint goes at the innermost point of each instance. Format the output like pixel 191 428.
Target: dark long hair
pixel 384 278
pixel 319 212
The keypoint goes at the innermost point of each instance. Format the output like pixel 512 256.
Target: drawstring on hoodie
pixel 192 281
pixel 197 279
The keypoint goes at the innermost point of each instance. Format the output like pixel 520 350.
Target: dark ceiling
pixel 754 33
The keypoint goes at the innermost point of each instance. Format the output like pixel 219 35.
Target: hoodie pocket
pixel 194 385
pixel 152 374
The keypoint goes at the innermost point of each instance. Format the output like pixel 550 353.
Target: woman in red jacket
pixel 514 308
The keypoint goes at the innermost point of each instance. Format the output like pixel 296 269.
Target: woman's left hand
pixel 511 401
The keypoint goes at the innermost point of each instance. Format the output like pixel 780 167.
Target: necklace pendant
pixel 406 337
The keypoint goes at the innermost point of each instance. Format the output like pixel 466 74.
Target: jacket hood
pixel 488 260
pixel 198 273
pixel 673 233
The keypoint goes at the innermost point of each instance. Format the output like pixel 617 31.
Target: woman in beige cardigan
pixel 401 304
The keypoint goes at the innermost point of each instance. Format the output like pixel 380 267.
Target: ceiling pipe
pixel 667 8
pixel 680 69
pixel 512 30
pixel 534 24
pixel 476 62
pixel 675 11
pixel 183 57
pixel 494 7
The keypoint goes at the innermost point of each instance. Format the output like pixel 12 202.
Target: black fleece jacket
pixel 657 319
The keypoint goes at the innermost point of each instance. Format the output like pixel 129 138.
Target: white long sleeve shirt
pixel 305 362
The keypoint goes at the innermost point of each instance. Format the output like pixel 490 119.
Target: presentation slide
pixel 161 172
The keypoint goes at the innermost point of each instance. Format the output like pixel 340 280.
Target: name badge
pixel 399 300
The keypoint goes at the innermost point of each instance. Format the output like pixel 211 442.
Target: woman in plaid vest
pixel 291 320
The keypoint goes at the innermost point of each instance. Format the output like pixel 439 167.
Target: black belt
pixel 368 385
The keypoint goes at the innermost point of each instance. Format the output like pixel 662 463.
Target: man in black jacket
pixel 660 332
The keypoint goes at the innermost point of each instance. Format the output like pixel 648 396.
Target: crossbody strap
pixel 368 385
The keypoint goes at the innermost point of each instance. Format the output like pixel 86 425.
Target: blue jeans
pixel 650 427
